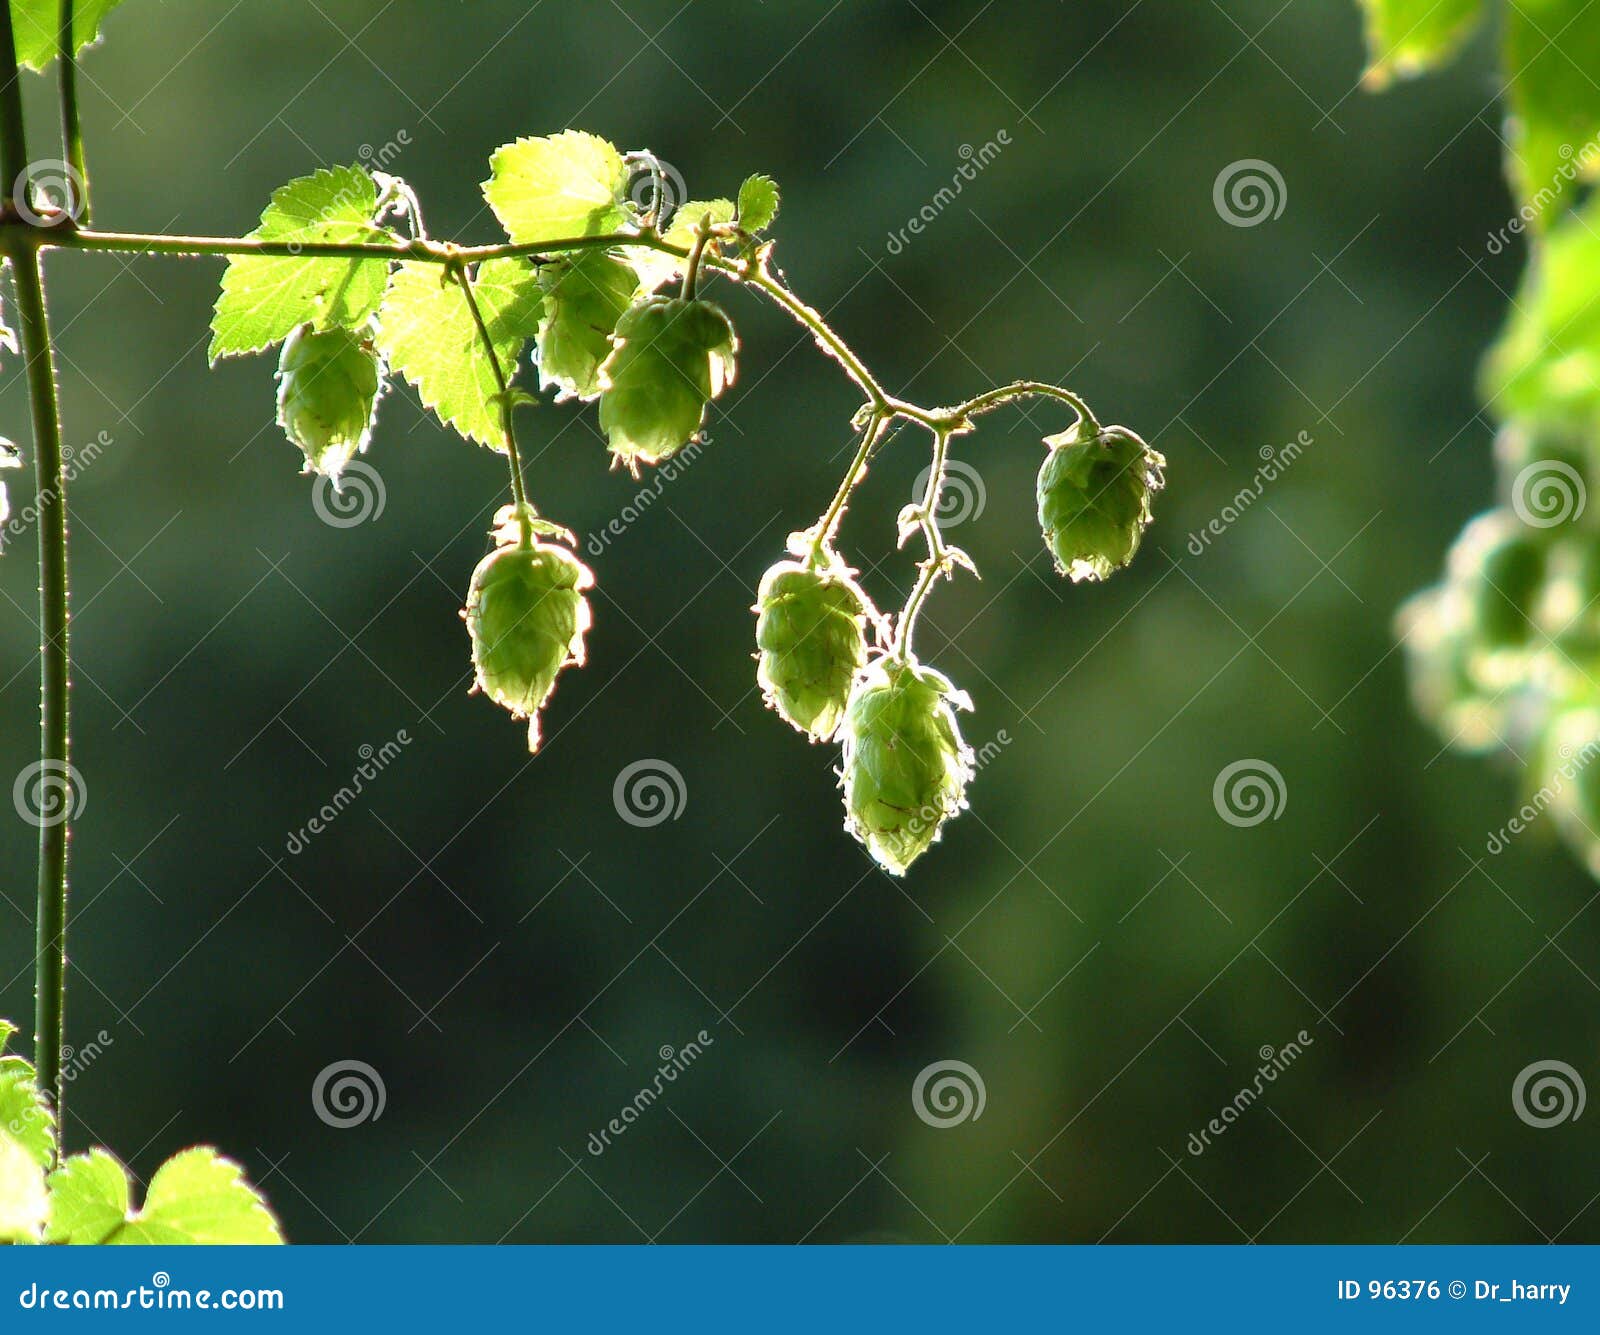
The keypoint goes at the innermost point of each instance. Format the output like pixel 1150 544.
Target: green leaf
pixel 426 331
pixel 1552 48
pixel 584 299
pixel 25 1117
pixel 36 26
pixel 265 299
pixel 758 203
pixel 686 221
pixel 656 267
pixel 1406 37
pixel 1545 368
pixel 196 1198
pixel 569 184
pixel 26 1147
pixel 24 1204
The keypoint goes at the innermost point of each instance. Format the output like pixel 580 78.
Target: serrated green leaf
pixel 686 221
pixel 565 185
pixel 36 27
pixel 426 331
pixel 1545 368
pixel 25 1117
pixel 1406 37
pixel 1551 49
pixel 196 1198
pixel 88 1199
pixel 265 299
pixel 656 267
pixel 26 1148
pixel 758 203
pixel 24 1204
pixel 584 299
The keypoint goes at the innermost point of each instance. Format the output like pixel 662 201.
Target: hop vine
pixel 602 298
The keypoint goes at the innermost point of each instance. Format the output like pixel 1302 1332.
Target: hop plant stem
pixel 22 251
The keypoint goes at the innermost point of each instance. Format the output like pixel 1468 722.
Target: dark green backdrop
pixel 1107 953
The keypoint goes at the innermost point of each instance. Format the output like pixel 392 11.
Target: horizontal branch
pixel 66 237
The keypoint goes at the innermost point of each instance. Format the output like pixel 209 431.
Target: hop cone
pixel 1094 498
pixel 526 614
pixel 906 768
pixel 810 629
pixel 669 358
pixel 328 388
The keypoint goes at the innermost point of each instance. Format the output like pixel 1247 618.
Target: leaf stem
pixel 937 561
pixel 1022 389
pixel 519 497
pixel 874 431
pixel 71 124
pixel 691 272
pixel 54 674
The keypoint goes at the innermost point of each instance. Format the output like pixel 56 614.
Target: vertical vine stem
pixel 22 252
pixel 71 124
pixel 519 496
pixel 55 675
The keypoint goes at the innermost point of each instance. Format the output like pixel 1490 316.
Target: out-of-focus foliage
pixel 1504 652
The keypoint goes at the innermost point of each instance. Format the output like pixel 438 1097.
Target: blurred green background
pixel 1093 939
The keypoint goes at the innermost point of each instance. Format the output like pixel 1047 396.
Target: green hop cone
pixel 1094 498
pixel 669 358
pixel 906 768
pixel 584 299
pixel 527 615
pixel 811 631
pixel 329 383
pixel 1498 564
